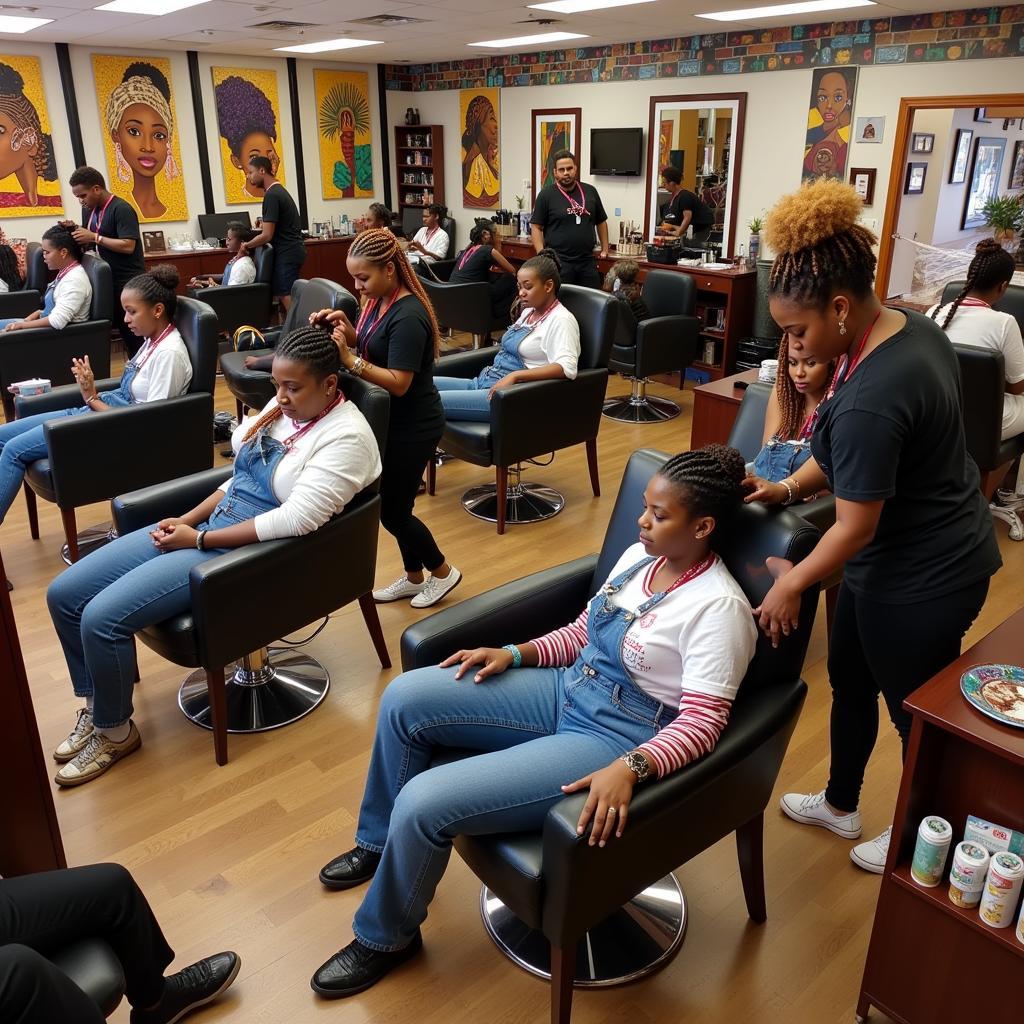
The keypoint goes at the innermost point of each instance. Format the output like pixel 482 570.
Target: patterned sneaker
pixel 811 809
pixel 99 753
pixel 397 590
pixel 77 739
pixel 871 856
pixel 434 589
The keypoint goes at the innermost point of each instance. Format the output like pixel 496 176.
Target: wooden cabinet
pixel 419 164
pixel 715 408
pixel 929 960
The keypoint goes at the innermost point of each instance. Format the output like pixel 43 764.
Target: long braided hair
pixel 791 402
pixel 992 266
pixel 820 248
pixel 709 480
pixel 380 247
pixel 315 349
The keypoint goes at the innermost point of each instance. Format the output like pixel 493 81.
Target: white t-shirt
pixel 242 271
pixel 165 374
pixel 556 339
pixel 700 637
pixel 324 470
pixel 72 297
pixel 436 245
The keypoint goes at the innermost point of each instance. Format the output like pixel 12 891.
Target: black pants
pixel 890 649
pixel 582 272
pixel 404 463
pixel 40 914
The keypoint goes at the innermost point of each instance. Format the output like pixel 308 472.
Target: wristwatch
pixel 638 764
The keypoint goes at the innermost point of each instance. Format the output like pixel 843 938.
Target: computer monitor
pixel 215 225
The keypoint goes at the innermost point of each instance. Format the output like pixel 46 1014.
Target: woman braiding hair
pixel 394 344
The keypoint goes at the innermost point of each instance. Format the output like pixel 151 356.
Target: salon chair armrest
pixel 20 303
pixel 68 396
pixel 136 509
pixel 465 364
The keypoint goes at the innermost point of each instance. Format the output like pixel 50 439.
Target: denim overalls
pixel 49 301
pixel 779 459
pixel 508 359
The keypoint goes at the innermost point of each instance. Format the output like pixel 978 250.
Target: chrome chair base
pixel 649 410
pixel 265 690
pixel 638 939
pixel 90 540
pixel 524 503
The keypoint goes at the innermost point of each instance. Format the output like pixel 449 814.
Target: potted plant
pixel 1006 215
pixel 754 226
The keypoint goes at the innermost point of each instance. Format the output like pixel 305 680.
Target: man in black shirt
pixel 280 225
pixel 684 209
pixel 112 226
pixel 564 219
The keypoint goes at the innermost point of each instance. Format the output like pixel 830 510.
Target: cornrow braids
pixel 710 480
pixel 992 266
pixel 314 348
pixel 380 247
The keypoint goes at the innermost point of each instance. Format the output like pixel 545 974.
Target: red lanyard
pixel 809 424
pixel 61 273
pixel 575 209
pixel 547 312
pixel 846 366
pixel 153 346
pixel 431 233
pixel 975 302
pixel 363 334
pixel 465 256
pixel 692 573
pixel 288 442
pixel 99 220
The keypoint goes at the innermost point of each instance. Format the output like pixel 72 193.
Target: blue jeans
pixel 464 399
pixel 536 729
pixel 100 602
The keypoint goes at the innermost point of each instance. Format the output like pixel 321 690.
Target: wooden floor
pixel 229 856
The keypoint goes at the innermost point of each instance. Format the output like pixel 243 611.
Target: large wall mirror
pixel 701 135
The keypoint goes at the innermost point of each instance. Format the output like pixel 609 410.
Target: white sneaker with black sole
pixel 398 590
pixel 436 588
pixel 871 856
pixel 811 809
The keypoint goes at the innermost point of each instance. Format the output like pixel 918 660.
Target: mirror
pixel 702 136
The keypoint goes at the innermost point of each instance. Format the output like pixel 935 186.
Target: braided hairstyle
pixel 476 233
pixel 547 266
pixel 61 238
pixel 314 348
pixel 709 481
pixel 241 229
pixel 158 284
pixel 9 267
pixel 791 402
pixel 380 247
pixel 992 266
pixel 820 248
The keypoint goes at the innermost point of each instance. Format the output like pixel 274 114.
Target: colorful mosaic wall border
pixel 911 39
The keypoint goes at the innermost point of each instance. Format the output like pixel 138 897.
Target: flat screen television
pixel 616 150
pixel 215 225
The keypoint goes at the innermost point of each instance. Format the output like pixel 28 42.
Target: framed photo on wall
pixel 961 156
pixel 984 185
pixel 1017 167
pixel 863 181
pixel 553 130
pixel 153 241
pixel 869 129
pixel 922 142
pixel 913 185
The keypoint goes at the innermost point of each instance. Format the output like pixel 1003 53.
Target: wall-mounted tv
pixel 616 151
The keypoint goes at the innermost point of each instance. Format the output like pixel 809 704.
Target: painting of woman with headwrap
pixel 829 120
pixel 142 148
pixel 481 174
pixel 247 118
pixel 344 133
pixel 29 186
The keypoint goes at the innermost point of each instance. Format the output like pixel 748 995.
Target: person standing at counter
pixel 684 210
pixel 565 218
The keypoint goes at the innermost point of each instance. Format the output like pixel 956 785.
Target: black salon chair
pixel 45 352
pixel 465 307
pixel 243 304
pixel 1012 301
pixel 546 891
pixel 93 966
pixel 448 225
pixel 235 614
pixel 253 388
pixel 96 456
pixel 532 419
pixel 29 297
pixel 663 343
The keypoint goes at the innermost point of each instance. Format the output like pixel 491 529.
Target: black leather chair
pixel 93 966
pixel 448 224
pixel 94 457
pixel 465 307
pixel 241 304
pixel 253 388
pixel 665 342
pixel 29 297
pixel 1012 301
pixel 268 687
pixel 533 419
pixel 549 888
pixel 45 352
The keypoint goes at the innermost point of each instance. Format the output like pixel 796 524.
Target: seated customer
pixel 621 281
pixel 240 268
pixel 430 243
pixel 475 263
pixel 10 276
pixel 44 912
pixel 543 344
pixel 297 464
pixel 160 369
pixel 69 295
pixel 377 216
pixel 621 693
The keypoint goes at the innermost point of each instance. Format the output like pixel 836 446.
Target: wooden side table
pixel 929 960
pixel 715 406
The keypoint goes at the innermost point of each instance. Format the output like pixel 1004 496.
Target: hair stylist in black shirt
pixel 684 209
pixel 912 528
pixel 394 345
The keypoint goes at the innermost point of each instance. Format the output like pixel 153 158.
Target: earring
pixel 124 171
pixel 842 328
pixel 170 167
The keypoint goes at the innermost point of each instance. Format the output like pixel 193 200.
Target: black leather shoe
pixel 350 869
pixel 357 967
pixel 191 988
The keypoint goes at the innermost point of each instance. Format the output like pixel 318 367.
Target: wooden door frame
pixel 909 105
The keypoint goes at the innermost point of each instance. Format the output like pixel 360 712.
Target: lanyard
pixel 691 574
pixel 579 209
pixel 288 442
pixel 532 327
pixel 975 302
pixel 810 423
pixel 152 347
pixel 94 227
pixel 431 233
pixel 61 273
pixel 363 334
pixel 465 256
pixel 846 366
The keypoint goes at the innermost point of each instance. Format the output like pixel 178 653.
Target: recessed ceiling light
pixel 781 10
pixel 576 6
pixel 329 44
pixel 545 37
pixel 12 23
pixel 154 7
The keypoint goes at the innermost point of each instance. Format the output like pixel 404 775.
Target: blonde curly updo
pixel 820 248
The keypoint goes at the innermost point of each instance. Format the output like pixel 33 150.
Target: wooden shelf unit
pixel 429 186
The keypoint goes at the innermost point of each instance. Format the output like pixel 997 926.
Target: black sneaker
pixel 357 967
pixel 191 988
pixel 350 869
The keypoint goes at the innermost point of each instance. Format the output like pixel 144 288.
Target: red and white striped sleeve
pixel 693 733
pixel 561 647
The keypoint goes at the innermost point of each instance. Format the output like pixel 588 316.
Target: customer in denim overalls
pixel 62 256
pixel 142 578
pixel 469 398
pixel 541 732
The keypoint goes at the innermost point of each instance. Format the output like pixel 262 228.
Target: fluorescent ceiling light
pixel 329 44
pixel 576 6
pixel 154 7
pixel 781 10
pixel 12 23
pixel 545 37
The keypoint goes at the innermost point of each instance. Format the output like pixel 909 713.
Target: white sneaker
pixel 77 739
pixel 98 755
pixel 434 589
pixel 811 809
pixel 399 589
pixel 871 856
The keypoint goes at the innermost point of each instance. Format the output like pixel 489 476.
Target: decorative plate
pixel 996 691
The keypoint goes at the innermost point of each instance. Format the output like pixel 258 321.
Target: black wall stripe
pixel 385 132
pixel 197 110
pixel 300 164
pixel 67 84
